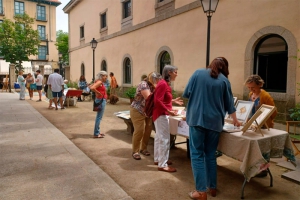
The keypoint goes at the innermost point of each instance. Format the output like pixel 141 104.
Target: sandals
pixel 98 136
pixel 136 156
pixel 103 134
pixel 145 152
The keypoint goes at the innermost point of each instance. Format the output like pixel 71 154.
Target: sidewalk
pixel 39 162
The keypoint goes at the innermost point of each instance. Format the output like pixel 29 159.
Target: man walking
pixel 56 84
pixel 39 84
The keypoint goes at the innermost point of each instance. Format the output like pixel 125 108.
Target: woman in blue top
pixel 82 85
pixel 21 81
pixel 210 97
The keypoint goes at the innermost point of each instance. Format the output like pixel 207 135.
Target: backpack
pixel 149 105
pixel 46 88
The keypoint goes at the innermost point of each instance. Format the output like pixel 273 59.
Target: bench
pixel 72 93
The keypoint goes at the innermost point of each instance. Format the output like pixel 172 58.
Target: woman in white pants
pixel 162 109
pixel 21 81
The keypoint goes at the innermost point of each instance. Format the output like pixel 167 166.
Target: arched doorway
pixel 103 66
pixel 165 59
pixel 127 71
pixel 270 62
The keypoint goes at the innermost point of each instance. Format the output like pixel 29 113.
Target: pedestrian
pixel 49 95
pixel 141 123
pixel 82 85
pixel 21 81
pixel 259 97
pixel 113 84
pixel 56 85
pixel 162 109
pixel 29 80
pixel 210 97
pixel 100 91
pixel 39 84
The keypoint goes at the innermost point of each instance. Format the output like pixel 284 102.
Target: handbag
pixel 97 107
pixel 33 86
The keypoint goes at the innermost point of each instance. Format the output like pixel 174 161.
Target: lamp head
pixel 93 43
pixel 209 6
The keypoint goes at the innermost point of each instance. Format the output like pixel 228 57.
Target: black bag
pixel 46 88
pixel 98 106
pixel 149 105
pixel 117 86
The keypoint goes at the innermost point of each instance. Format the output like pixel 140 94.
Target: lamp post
pixel 209 7
pixel 93 46
pixel 60 62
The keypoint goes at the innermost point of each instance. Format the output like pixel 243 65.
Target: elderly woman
pixel 162 109
pixel 29 80
pixel 210 97
pixel 99 88
pixel 259 96
pixel 21 81
pixel 142 124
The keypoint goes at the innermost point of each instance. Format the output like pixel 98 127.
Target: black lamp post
pixel 209 7
pixel 93 45
pixel 60 62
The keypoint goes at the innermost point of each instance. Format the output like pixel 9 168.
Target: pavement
pixel 39 162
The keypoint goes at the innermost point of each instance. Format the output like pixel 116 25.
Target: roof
pixel 49 2
pixel 70 5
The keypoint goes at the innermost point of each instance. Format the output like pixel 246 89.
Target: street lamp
pixel 209 7
pixel 93 46
pixel 60 62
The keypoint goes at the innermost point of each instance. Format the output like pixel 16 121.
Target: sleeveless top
pixel 102 90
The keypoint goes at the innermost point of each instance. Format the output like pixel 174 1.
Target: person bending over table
pixel 141 123
pixel 210 97
pixel 162 109
pixel 259 97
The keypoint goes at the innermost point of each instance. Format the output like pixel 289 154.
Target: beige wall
pixel 50 24
pixel 234 26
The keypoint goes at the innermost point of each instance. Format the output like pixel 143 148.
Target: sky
pixel 61 17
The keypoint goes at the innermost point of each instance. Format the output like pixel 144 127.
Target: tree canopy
pixel 62 43
pixel 18 40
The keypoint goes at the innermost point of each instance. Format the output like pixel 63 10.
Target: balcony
pixel 18 12
pixel 43 57
pixel 2 13
pixel 43 18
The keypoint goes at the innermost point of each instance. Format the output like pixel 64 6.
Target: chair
pixel 295 136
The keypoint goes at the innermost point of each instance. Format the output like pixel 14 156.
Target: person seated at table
pixel 260 96
pixel 142 124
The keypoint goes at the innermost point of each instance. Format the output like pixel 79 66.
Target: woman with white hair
pixel 99 88
pixel 162 109
pixel 21 81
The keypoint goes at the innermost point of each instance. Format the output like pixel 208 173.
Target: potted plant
pixel 130 93
pixel 295 112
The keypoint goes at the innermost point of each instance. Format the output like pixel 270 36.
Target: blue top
pixel 209 100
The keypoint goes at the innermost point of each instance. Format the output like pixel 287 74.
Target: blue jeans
pixel 99 117
pixel 203 145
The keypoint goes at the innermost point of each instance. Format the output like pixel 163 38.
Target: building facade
pixel 44 13
pixel 136 37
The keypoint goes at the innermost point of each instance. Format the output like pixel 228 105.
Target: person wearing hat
pixel 39 84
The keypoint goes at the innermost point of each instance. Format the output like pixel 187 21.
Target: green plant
pixel 72 84
pixel 108 91
pixel 174 94
pixel 130 92
pixel 295 112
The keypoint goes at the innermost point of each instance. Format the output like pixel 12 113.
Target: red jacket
pixel 162 99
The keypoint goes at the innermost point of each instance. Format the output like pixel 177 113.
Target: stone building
pixel 44 13
pixel 136 37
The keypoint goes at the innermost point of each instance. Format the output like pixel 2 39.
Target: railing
pixel 18 13
pixel 43 18
pixel 2 11
pixel 42 57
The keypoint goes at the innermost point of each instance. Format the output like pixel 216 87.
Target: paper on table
pixel 183 128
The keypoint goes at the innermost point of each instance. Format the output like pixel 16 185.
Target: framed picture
pixel 243 109
pixel 234 100
pixel 266 112
pixel 251 121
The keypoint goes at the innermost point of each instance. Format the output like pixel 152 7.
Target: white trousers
pixel 162 141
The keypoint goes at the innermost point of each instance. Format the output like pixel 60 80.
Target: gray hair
pixel 166 70
pixel 100 75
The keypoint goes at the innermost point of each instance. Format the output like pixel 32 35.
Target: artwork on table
pixel 267 111
pixel 243 109
pixel 183 128
pixel 234 100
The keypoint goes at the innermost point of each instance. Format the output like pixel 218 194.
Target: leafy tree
pixel 62 43
pixel 18 40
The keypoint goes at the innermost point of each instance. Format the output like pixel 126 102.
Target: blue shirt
pixel 209 100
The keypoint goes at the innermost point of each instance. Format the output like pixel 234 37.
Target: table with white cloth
pixel 251 148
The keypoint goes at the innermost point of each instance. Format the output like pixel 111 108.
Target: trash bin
pixel 16 85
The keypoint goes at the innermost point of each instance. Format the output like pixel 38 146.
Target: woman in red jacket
pixel 162 109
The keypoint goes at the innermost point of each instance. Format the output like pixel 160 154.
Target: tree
pixel 18 40
pixel 62 43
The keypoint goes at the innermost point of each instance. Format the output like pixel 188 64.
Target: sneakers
pixel 39 100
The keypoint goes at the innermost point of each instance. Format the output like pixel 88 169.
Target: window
pixel 127 9
pixel 165 59
pixel 82 70
pixel 81 32
pixel 103 66
pixel 41 13
pixel 160 0
pixel 19 8
pixel 42 53
pixel 103 20
pixel 1 8
pixel 127 71
pixel 42 32
pixel 270 63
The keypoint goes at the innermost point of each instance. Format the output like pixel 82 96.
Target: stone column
pixel 13 77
